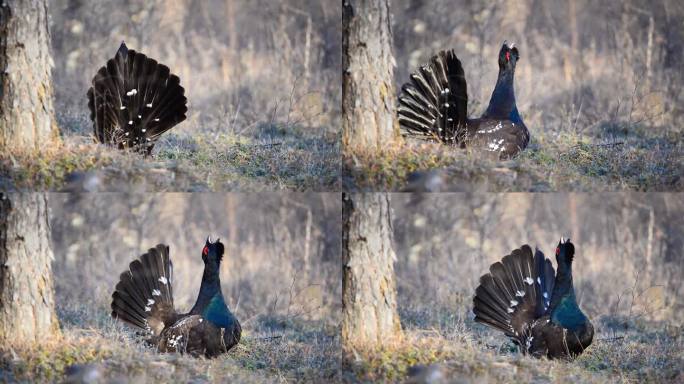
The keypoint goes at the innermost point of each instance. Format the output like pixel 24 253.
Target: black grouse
pixel 434 105
pixel 521 297
pixel 143 298
pixel 133 100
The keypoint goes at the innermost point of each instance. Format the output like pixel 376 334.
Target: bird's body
pixel 434 104
pixel 133 100
pixel 523 297
pixel 143 299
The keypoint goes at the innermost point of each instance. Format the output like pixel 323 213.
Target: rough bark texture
pixel 368 95
pixel 369 300
pixel 27 312
pixel 25 64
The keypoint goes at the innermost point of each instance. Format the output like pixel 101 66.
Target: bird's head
pixel 212 253
pixel 565 251
pixel 508 56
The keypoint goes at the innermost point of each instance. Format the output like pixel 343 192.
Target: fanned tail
pixel 133 100
pixel 434 103
pixel 511 296
pixel 143 297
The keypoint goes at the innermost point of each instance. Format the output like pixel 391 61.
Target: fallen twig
pixel 599 145
pixel 612 339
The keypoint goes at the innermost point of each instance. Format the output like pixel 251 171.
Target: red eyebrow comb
pixel 205 251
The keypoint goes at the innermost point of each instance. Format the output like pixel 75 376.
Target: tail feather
pixel 434 102
pixel 510 296
pixel 127 310
pixel 143 297
pixel 545 278
pixel 133 100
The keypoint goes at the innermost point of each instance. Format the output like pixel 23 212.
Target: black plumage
pixel 133 100
pixel 522 297
pixel 433 105
pixel 143 298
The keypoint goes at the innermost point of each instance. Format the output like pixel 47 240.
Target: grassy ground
pixel 288 160
pixel 271 351
pixel 445 348
pixel 638 161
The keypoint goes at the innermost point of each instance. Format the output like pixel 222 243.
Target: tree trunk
pixel 27 312
pixel 25 64
pixel 369 300
pixel 368 95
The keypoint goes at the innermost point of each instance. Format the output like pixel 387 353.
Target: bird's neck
pixel 563 308
pixel 502 103
pixel 211 286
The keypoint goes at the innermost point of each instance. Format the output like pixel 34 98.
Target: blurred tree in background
pixel 26 120
pixel 27 305
pixel 369 298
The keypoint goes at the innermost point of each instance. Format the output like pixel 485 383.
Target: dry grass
pixel 558 162
pixel 296 352
pixel 465 352
pixel 207 162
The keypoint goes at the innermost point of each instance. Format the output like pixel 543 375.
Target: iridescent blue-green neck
pixel 563 308
pixel 211 286
pixel 502 103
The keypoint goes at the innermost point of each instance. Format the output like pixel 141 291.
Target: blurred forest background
pixel 262 80
pixel 599 85
pixel 627 272
pixel 625 243
pixel 585 65
pixel 280 275
pixel 243 63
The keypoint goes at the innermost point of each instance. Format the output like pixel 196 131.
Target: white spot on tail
pixel 139 116
pixel 539 280
pixel 514 303
pixel 520 293
pixel 150 302
pixel 528 280
pixel 156 292
pixel 149 105
pixel 157 119
pixel 546 295
pixel 163 278
pixel 132 92
pixel 147 309
pixel 122 108
pixel 493 146
pixel 130 122
pixel 510 310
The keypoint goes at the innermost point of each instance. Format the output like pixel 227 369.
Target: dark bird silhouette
pixel 434 105
pixel 143 299
pixel 133 100
pixel 521 297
